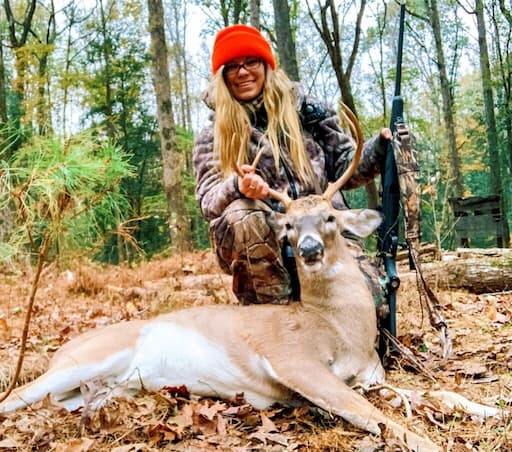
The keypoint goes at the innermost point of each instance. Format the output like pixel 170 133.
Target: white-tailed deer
pixel 316 348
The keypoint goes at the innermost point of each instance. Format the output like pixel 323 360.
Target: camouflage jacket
pixel 329 149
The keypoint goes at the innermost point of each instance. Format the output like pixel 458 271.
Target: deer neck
pixel 338 287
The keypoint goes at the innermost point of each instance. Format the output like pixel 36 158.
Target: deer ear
pixel 361 222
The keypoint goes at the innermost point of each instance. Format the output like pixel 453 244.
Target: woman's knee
pixel 241 231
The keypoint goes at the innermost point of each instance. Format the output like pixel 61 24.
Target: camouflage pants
pixel 247 248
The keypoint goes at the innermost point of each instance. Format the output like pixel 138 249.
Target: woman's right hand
pixel 252 185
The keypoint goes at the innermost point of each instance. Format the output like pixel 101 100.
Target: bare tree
pixel 457 183
pixel 18 31
pixel 171 158
pixel 329 30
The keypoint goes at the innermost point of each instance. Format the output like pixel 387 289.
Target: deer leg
pixel 62 380
pixel 313 380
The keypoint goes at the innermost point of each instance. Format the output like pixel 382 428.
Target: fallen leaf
pixel 177 391
pixel 267 425
pixel 209 412
pixel 8 443
pixel 135 447
pixel 277 438
pixel 75 445
pixel 221 425
pixel 491 313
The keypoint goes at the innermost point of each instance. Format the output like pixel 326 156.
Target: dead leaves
pixel 156 420
pixel 171 420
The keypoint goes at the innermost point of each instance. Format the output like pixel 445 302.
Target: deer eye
pixel 331 219
pixel 288 226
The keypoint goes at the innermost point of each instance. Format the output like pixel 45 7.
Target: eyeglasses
pixel 250 64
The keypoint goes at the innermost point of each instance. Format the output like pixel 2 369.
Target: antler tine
pixel 254 164
pixel 282 197
pixel 356 131
pixel 256 160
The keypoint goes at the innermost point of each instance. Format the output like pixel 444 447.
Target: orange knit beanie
pixel 237 41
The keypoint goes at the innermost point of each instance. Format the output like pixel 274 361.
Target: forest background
pixel 100 101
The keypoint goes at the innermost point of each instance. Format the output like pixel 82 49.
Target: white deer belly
pixel 169 354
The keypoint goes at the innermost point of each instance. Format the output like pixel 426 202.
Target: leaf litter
pixel 79 299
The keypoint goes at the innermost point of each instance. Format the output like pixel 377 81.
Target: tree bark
pixel 255 16
pixel 448 102
pixel 171 158
pixel 285 42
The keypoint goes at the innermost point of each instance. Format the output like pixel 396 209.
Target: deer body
pixel 214 351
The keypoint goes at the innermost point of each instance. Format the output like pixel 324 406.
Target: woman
pixel 256 106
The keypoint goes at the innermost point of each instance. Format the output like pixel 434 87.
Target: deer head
pixel 313 227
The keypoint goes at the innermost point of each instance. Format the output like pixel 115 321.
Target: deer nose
pixel 311 249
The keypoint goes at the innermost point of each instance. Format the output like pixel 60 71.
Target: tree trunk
pixel 285 41
pixel 506 77
pixel 177 27
pixel 255 18
pixel 43 110
pixel 3 87
pixel 490 120
pixel 17 43
pixel 478 271
pixel 237 11
pixel 171 158
pixel 448 103
pixel 106 52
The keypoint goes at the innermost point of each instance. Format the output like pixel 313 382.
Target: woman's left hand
pixel 386 134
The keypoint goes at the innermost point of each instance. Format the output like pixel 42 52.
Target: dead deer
pixel 316 348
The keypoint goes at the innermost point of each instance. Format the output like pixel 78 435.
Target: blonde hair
pixel 232 127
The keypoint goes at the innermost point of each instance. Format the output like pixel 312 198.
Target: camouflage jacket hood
pixel 329 149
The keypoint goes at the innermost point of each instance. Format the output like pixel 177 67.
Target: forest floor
pixel 90 296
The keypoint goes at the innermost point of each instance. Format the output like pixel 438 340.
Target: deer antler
pixel 282 197
pixel 355 128
pixel 353 123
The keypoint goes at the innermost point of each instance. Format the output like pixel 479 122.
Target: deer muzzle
pixel 311 250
